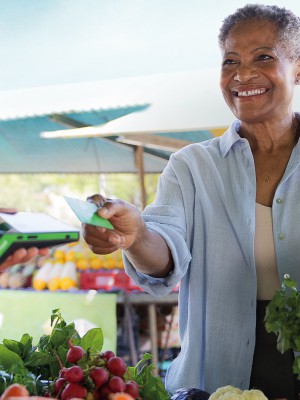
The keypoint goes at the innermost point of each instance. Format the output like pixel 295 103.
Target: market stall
pixel 139 122
pixel 92 290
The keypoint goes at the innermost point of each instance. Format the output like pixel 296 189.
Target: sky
pixel 55 42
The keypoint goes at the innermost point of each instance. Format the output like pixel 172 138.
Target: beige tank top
pixel 264 251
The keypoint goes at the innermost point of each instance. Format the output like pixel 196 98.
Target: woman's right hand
pixel 126 220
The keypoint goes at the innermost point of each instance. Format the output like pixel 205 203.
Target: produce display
pixel 100 374
pixel 283 318
pixel 17 391
pixel 70 266
pixel 55 275
pixel 63 365
pixel 18 276
pixel 223 393
pixel 14 390
pixel 68 263
pixel 84 258
pixel 232 393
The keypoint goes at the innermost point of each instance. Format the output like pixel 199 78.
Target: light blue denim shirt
pixel 205 210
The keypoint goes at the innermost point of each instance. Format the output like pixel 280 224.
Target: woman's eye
pixel 229 61
pixel 263 57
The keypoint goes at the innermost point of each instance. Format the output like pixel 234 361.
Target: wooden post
pixel 139 161
pixel 153 335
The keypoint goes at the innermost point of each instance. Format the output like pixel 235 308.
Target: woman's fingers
pixel 97 199
pixel 101 240
pixel 103 250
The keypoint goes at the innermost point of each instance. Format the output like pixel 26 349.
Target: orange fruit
pixel 67 283
pixel 59 255
pixel 39 284
pixel 70 255
pixel 54 284
pixel 96 263
pixel 14 390
pixel 119 264
pixel 82 264
pixel 120 396
pixel 110 263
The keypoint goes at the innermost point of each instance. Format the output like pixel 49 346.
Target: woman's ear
pixel 297 81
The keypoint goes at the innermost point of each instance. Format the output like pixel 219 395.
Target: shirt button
pixel 279 200
pixel 281 236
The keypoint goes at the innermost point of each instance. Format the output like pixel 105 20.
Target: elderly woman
pixel 226 219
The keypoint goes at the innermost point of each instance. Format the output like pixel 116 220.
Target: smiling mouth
pixel 248 93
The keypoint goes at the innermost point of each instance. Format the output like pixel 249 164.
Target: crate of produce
pixel 100 280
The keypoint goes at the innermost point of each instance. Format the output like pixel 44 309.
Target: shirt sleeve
pixel 167 217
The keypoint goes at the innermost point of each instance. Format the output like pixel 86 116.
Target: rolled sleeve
pixel 181 258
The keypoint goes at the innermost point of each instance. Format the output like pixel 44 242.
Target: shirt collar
pixel 229 137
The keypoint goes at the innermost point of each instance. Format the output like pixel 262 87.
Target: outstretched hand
pixel 126 220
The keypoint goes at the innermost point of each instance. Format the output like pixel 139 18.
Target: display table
pixel 151 302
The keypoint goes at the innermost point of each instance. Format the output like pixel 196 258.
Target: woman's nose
pixel 245 73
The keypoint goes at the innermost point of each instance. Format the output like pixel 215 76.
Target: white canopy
pixel 177 102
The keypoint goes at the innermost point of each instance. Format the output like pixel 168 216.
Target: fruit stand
pixel 87 288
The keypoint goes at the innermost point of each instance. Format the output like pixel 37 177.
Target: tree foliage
pixel 44 192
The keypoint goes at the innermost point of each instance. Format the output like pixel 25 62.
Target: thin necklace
pixel 293 141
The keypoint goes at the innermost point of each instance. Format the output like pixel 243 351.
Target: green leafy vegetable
pixel 9 358
pixel 38 366
pixel 93 339
pixel 152 386
pixel 283 318
pixel 22 362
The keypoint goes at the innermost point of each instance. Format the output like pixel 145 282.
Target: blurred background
pixel 51 43
pixel 78 63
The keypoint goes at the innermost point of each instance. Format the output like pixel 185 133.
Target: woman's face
pixel 257 79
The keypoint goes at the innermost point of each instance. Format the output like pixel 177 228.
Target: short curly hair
pixel 285 21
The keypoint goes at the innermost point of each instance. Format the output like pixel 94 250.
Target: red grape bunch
pixel 93 376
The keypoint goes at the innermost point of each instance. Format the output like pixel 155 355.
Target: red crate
pixel 108 280
pixel 121 279
pixel 100 280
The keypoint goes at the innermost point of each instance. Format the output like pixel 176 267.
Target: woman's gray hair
pixel 285 21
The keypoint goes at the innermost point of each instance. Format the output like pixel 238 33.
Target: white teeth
pixel 251 92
